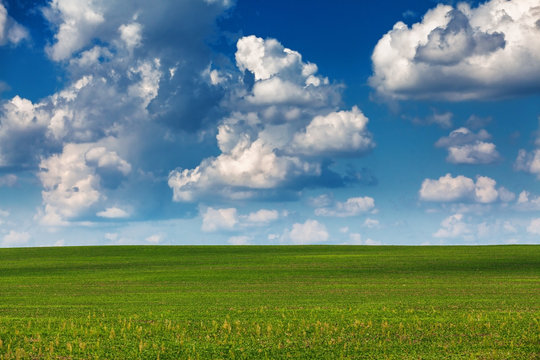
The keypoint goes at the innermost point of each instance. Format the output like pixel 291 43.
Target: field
pixel 221 302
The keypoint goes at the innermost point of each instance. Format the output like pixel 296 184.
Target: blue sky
pixel 269 122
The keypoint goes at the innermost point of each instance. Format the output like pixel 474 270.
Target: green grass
pixel 221 302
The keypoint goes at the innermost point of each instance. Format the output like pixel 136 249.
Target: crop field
pixel 270 302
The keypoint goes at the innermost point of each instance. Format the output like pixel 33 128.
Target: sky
pixel 269 122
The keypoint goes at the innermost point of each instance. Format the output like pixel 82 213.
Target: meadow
pixel 270 302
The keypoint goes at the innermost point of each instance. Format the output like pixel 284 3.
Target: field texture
pixel 327 302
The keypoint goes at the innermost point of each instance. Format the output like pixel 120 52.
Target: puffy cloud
pixel 462 53
pixel 310 232
pixel 113 213
pixel 219 219
pixel 10 30
pixel 534 227
pixel 444 119
pixel 72 180
pixel 352 207
pixel 466 147
pixel 15 238
pixel 77 23
pixel 453 227
pixel 131 34
pixel 278 131
pixel 460 188
pixel 528 162
pixel 337 132
pixel 528 202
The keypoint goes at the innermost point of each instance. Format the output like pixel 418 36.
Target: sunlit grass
pixel 270 302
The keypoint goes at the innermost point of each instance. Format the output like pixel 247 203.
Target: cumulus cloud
pixel 72 181
pixel 461 188
pixel 10 30
pixel 534 227
pixel 154 239
pixel 337 132
pixel 462 53
pixel 528 202
pixel 528 162
pixel 466 147
pixel 15 239
pixel 219 219
pixel 310 232
pixel 279 130
pixel 453 227
pixel 352 207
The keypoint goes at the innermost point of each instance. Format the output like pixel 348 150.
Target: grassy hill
pixel 272 302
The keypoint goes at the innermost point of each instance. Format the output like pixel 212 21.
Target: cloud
pixel 460 53
pixel 113 213
pixel 240 240
pixel 444 119
pixel 466 147
pixel 528 202
pixel 10 30
pixel 460 188
pixel 72 180
pixel 337 132
pixel 278 132
pixel 310 232
pixel 15 239
pixel 453 227
pixel 262 216
pixel 371 223
pixel 8 180
pixel 352 207
pixel 528 162
pixel 154 239
pixel 219 219
pixel 534 227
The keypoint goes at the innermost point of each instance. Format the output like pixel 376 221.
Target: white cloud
pixel 262 216
pixel 240 240
pixel 278 132
pixel 466 147
pixel 113 213
pixel 460 188
pixel 453 227
pixel 534 227
pixel 447 188
pixel 337 132
pixel 15 239
pixel 77 22
pixel 131 34
pixel 528 202
pixel 10 30
pixel 462 53
pixel 72 180
pixel 111 236
pixel 310 232
pixel 154 239
pixel 352 207
pixel 528 162
pixel 371 223
pixel 219 219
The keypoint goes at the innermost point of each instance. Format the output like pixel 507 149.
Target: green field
pixel 257 302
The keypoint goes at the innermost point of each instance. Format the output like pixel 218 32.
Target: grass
pixel 221 302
